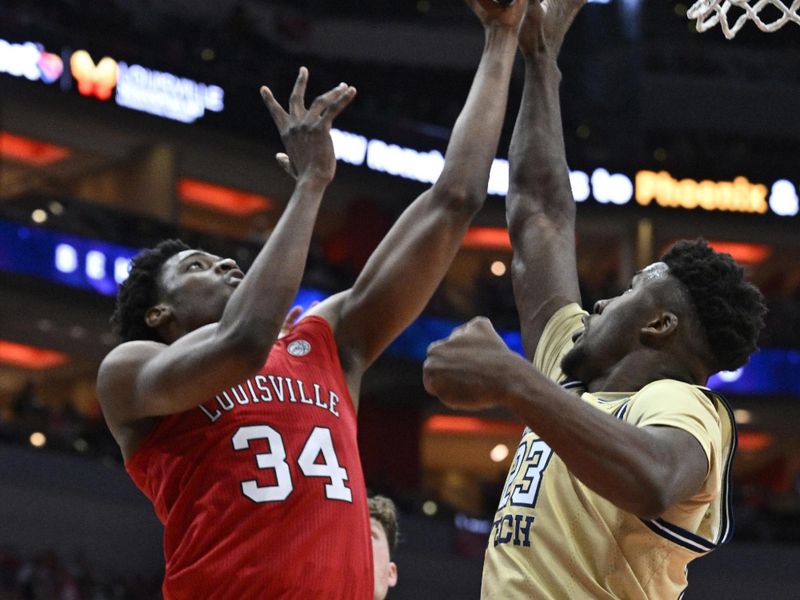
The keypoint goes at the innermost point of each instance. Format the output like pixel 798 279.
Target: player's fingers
pixel 293 314
pixel 433 347
pixel 322 101
pixel 481 324
pixel 339 104
pixel 428 379
pixel 275 110
pixel 460 330
pixel 288 322
pixel 286 164
pixel 297 98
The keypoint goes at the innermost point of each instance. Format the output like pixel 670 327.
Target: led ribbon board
pixel 67 259
pixel 133 86
pixel 604 187
pixel 136 87
pixel 99 266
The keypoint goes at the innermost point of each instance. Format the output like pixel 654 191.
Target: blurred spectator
pixel 49 576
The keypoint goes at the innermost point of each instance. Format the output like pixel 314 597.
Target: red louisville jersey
pixel 260 489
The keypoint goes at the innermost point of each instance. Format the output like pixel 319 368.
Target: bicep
pixel 147 379
pixel 543 270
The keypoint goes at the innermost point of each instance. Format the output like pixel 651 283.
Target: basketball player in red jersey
pixel 245 441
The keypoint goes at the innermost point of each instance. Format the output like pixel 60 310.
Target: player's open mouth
pixel 234 277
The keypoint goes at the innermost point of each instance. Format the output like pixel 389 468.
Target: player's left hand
pixel 469 369
pixel 291 319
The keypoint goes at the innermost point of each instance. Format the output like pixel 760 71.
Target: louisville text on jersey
pixel 271 388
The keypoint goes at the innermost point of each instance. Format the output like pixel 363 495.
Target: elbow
pixel 652 501
pixel 650 510
pixel 526 214
pixel 460 198
pixel 544 190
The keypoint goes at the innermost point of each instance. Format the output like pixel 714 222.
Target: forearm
pixel 476 133
pixel 540 207
pixel 621 462
pixel 539 177
pixel 429 233
pixel 259 305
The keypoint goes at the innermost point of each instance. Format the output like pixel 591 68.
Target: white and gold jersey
pixel 554 538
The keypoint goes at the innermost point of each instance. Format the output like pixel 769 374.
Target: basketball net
pixel 708 13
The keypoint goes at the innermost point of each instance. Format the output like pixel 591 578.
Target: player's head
pixel 172 289
pixel 383 524
pixel 693 309
pixel 730 310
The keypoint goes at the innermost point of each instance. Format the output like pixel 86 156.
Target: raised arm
pixel 540 207
pixel 410 262
pixel 142 379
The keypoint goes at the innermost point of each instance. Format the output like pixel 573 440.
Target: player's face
pixel 612 330
pixel 385 569
pixel 198 285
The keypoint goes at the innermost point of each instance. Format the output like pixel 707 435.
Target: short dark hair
pixel 383 510
pixel 730 309
pixel 140 291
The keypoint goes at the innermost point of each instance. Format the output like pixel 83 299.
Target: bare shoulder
pixel 116 378
pixel 335 310
pixel 330 309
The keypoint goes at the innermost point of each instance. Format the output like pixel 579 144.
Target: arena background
pixel 669 134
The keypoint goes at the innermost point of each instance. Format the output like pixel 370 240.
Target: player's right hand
pixel 545 24
pixel 499 13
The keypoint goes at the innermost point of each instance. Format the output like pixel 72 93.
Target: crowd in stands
pixel 51 576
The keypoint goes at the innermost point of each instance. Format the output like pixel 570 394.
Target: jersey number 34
pixel 319 442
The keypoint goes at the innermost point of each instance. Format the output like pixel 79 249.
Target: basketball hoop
pixel 708 13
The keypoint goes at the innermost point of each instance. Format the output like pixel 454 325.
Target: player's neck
pixel 637 370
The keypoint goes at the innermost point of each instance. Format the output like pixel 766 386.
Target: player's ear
pixel 392 579
pixel 157 315
pixel 659 328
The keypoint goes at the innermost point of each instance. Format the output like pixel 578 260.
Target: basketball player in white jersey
pixel 621 475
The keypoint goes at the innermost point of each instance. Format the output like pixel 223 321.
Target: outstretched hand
pixel 305 132
pixel 492 13
pixel 545 24
pixel 469 370
pixel 291 319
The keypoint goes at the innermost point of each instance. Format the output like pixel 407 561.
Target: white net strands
pixel 768 15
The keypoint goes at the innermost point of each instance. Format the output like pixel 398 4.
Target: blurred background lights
pixel 499 453
pixel 729 376
pixel 498 268
pixel 66 258
pixel 430 508
pixel 37 439
pixel 784 201
pixel 95 264
pixel 122 267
